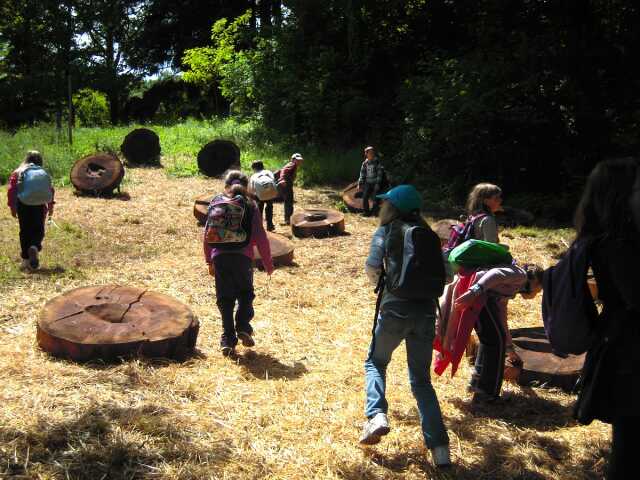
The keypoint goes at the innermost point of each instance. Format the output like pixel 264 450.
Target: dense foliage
pixel 528 93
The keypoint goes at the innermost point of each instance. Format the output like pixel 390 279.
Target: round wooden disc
pixel 317 222
pixel 352 198
pixel 217 157
pixel 281 251
pixel 141 146
pixel 540 366
pixel 200 207
pixel 110 321
pixel 97 173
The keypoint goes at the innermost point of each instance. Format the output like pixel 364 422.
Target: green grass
pixel 180 145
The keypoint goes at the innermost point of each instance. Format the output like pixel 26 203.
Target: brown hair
pixel 236 183
pixel 32 156
pixel 477 196
pixel 533 271
pixel 389 213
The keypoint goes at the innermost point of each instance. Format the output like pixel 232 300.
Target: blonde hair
pixel 477 196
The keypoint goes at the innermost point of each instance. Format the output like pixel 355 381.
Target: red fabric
pixel 288 174
pixel 461 322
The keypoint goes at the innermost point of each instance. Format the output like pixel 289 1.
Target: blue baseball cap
pixel 404 197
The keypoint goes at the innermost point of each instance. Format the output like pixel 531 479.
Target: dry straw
pixel 290 408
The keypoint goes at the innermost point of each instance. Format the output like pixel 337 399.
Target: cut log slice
pixel 281 251
pixel 317 223
pixel 352 198
pixel 98 173
pixel 141 146
pixel 111 321
pixel 200 207
pixel 217 157
pixel 540 367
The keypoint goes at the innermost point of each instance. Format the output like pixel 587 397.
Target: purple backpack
pixel 568 311
pixel 461 232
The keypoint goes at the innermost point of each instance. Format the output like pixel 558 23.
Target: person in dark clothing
pixel 604 216
pixel 31 197
pixel 286 176
pixel 371 180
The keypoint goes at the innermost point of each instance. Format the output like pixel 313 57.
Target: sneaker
pixel 25 265
pixel 227 351
pixel 246 339
pixel 33 257
pixel 441 456
pixel 374 428
pixel 481 397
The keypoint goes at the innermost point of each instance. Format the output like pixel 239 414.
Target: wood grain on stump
pixel 352 198
pixel 317 223
pixel 200 207
pixel 110 321
pixel 217 157
pixel 540 366
pixel 141 146
pixel 97 173
pixel 281 251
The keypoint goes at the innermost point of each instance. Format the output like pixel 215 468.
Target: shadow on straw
pixel 105 441
pixel 265 366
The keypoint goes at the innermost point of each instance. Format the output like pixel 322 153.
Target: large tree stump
pixel 317 223
pixel 352 198
pixel 111 321
pixel 281 251
pixel 217 157
pixel 100 173
pixel 540 367
pixel 141 146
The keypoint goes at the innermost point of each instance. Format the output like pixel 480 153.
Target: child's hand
pixel 14 213
pixel 212 269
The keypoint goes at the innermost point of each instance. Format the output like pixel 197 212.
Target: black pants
pixel 368 191
pixel 234 282
pixel 623 453
pixel 489 367
pixel 286 192
pixel 268 210
pixel 31 221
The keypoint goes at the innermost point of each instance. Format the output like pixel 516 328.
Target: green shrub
pixel 91 107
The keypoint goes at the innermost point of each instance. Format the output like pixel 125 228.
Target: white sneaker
pixel 441 456
pixel 374 428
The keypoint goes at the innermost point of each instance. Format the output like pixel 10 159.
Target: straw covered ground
pixel 291 407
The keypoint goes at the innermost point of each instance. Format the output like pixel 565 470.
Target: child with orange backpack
pixel 30 198
pixel 233 227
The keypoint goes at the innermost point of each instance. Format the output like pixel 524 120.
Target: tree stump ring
pixel 200 207
pixel 352 198
pixel 281 251
pixel 216 157
pixel 540 366
pixel 141 146
pixel 111 321
pixel 317 223
pixel 100 173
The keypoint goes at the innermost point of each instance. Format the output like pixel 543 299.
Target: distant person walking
pixel 604 219
pixel 285 177
pixel 371 180
pixel 232 229
pixel 262 185
pixel 402 318
pixel 30 197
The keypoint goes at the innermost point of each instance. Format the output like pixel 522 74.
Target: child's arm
pixel 12 194
pixel 259 236
pixel 373 264
pixel 52 202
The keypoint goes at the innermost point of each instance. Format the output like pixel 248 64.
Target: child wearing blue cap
pixel 402 318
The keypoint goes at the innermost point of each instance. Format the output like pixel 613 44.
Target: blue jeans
pixel 417 329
